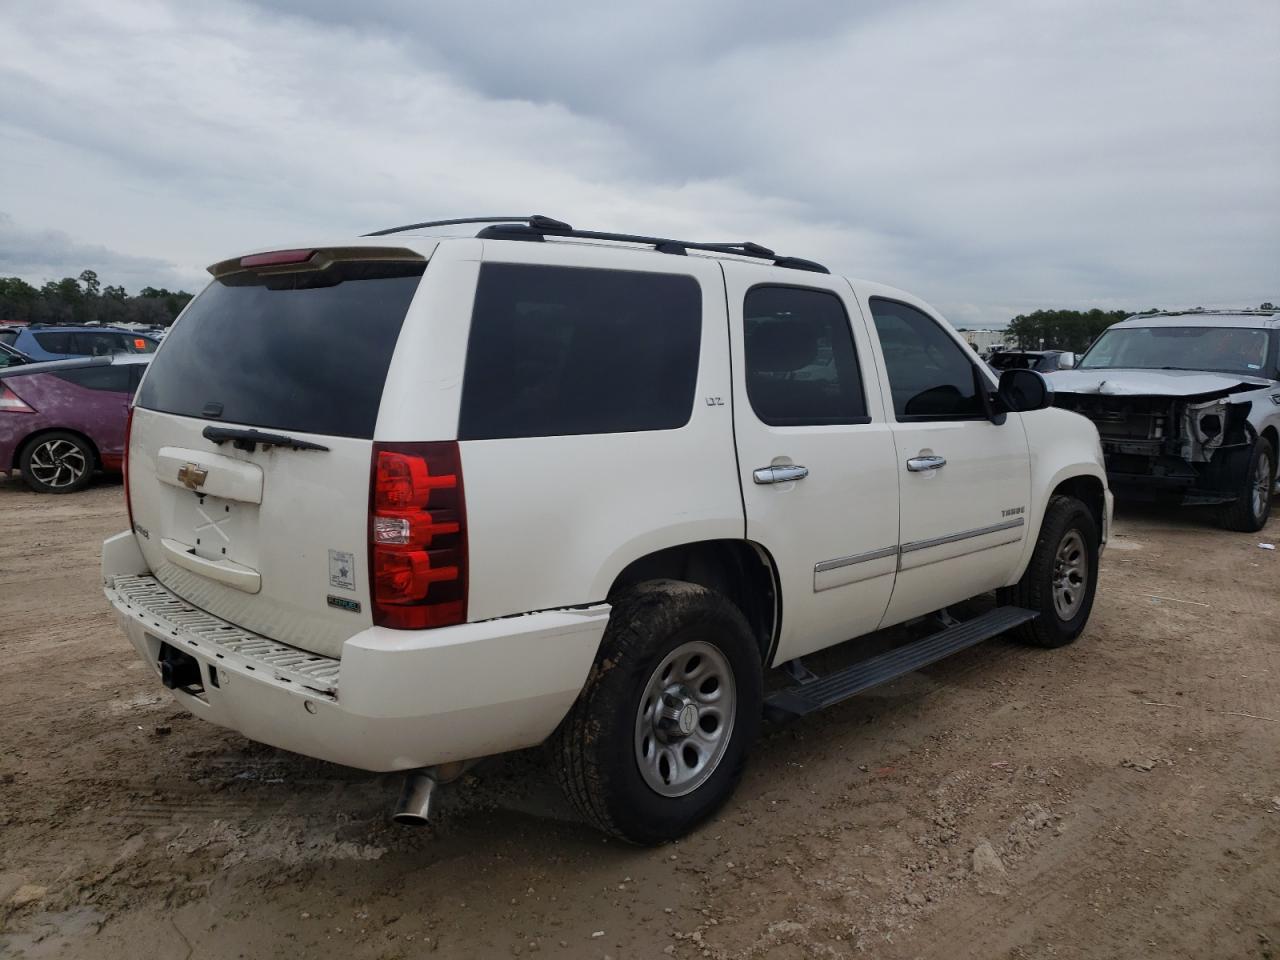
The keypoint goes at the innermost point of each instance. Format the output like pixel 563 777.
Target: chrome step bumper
pixel 173 620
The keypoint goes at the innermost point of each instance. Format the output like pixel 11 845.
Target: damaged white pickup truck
pixel 1188 408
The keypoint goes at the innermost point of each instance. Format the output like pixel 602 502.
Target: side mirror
pixel 1024 390
pixel 1067 361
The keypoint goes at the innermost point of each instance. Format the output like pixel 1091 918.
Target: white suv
pixel 409 500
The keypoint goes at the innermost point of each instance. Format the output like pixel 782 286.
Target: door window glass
pixel 55 342
pixel 930 375
pixel 801 368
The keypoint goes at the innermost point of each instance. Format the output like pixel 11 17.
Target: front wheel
pixel 1257 483
pixel 659 736
pixel 1062 577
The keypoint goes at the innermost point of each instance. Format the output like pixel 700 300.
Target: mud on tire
pixel 598 748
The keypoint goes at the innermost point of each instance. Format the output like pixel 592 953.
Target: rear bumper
pixel 396 700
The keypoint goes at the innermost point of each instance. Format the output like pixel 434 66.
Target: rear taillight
pixel 417 536
pixel 124 466
pixel 12 403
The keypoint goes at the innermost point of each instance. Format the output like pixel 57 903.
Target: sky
pixel 992 157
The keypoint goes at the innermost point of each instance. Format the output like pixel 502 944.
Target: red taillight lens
pixel 12 403
pixel 417 536
pixel 124 467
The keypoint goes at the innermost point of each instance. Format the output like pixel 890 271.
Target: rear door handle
pixel 780 474
pixel 921 464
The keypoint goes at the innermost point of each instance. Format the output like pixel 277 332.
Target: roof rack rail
pixel 1199 312
pixel 538 228
pixel 538 218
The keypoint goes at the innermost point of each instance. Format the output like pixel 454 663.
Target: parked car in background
pixel 1188 407
pixel 587 492
pixel 1041 361
pixel 10 357
pixel 61 421
pixel 47 342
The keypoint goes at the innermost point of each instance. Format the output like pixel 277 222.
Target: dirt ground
pixel 1117 798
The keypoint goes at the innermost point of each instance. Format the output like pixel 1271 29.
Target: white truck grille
pixel 174 618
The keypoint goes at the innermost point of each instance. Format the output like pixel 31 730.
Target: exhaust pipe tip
pixel 414 807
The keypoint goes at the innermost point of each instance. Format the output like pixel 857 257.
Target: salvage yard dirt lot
pixel 1118 798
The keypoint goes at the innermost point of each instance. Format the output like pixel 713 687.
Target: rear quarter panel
pixel 553 520
pixel 61 405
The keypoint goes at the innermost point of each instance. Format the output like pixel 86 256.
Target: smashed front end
pixel 1188 449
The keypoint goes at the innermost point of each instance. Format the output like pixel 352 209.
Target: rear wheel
pixel 1062 577
pixel 57 462
pixel 1252 507
pixel 659 736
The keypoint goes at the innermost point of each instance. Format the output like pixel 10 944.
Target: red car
pixel 61 421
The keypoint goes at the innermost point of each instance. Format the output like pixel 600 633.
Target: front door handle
pixel 779 474
pixel 921 464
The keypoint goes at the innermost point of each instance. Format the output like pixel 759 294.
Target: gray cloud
pixel 41 255
pixel 993 159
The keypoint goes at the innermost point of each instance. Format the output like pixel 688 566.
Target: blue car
pixel 66 342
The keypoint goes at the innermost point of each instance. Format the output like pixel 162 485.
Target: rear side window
pixel 557 351
pixel 99 344
pixel 800 362
pixel 110 378
pixel 300 351
pixel 930 374
pixel 7 337
pixel 55 342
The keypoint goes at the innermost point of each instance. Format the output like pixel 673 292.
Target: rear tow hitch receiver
pixel 178 670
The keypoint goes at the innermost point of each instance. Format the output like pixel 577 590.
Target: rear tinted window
pixel 98 344
pixel 55 342
pixel 8 336
pixel 555 351
pixel 111 378
pixel 306 352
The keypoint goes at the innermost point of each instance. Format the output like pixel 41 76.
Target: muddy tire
pixel 57 462
pixel 660 733
pixel 1252 507
pixel 1062 577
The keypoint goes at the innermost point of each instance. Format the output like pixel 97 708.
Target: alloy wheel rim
pixel 1261 485
pixel 685 719
pixel 58 463
pixel 1070 575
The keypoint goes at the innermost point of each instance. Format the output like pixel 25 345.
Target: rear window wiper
pixel 249 439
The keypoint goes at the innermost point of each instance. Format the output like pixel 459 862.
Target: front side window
pixel 930 374
pixel 801 368
pixel 562 351
pixel 1241 351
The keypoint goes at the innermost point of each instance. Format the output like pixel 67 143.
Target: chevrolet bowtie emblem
pixel 191 475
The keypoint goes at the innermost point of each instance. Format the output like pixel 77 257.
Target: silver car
pixel 1188 408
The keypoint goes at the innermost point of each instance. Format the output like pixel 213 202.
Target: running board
pixel 804 698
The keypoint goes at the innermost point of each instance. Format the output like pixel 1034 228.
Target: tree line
pixel 84 299
pixel 1068 329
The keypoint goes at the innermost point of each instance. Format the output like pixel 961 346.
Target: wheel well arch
pixel 35 435
pixel 1088 490
pixel 741 570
